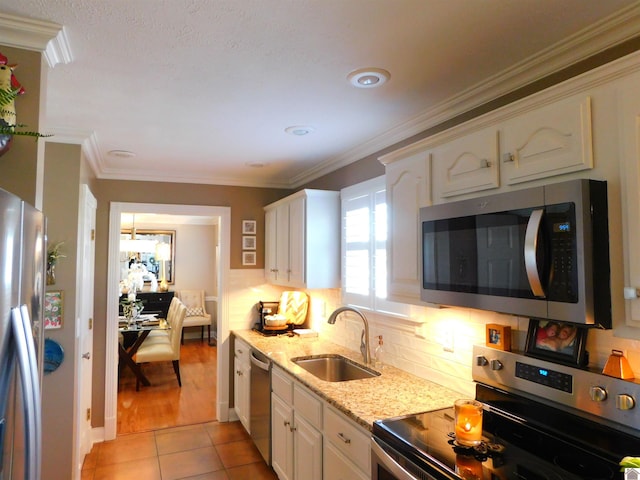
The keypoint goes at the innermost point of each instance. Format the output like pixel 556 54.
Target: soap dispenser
pixel 379 353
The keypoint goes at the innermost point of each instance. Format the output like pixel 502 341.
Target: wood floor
pixel 164 404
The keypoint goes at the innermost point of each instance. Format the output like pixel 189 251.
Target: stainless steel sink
pixel 334 368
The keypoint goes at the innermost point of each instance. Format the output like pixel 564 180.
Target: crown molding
pixel 36 35
pixel 613 30
pixel 86 139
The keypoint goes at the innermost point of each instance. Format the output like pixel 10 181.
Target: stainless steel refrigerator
pixel 22 280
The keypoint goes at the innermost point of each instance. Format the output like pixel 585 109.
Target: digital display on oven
pixel 543 376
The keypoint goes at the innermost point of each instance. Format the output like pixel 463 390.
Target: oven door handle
pixel 530 250
pixel 389 463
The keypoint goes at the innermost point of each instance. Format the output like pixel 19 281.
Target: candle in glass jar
pixel 468 422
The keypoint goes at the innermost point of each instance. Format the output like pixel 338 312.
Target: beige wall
pixel 18 166
pixel 63 171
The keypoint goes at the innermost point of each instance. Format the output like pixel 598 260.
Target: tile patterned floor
pixel 209 451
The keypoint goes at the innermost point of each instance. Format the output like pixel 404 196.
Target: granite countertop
pixel 393 393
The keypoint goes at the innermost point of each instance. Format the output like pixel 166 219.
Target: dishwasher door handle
pixel 259 363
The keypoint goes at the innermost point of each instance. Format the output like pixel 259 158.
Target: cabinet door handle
pixel 292 429
pixel 287 423
pixel 239 372
pixel 342 437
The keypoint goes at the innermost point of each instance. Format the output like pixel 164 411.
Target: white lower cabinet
pixel 338 467
pixel 347 447
pixel 296 422
pixel 241 381
pixel 310 440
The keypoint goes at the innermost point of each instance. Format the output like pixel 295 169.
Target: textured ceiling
pixel 201 89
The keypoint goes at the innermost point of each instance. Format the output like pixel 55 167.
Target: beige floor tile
pixel 238 453
pixel 226 432
pixel 182 438
pixel 189 463
pixel 219 475
pixel 127 447
pixel 145 468
pixel 252 471
pixel 91 458
pixel 88 473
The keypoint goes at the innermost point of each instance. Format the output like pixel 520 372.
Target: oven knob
pixel 496 365
pixel 625 402
pixel 482 361
pixel 598 394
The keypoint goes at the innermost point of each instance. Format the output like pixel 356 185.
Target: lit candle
pixel 468 418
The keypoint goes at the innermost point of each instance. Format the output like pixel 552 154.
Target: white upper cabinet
pixel 467 164
pixel 302 240
pixel 547 141
pixel 407 189
pixel 629 100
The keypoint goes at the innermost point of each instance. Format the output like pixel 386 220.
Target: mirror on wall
pixel 150 248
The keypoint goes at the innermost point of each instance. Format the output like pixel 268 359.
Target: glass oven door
pixel 389 464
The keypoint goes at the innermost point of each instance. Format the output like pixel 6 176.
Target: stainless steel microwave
pixel 541 253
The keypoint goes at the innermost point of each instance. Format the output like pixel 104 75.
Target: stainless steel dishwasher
pixel 260 404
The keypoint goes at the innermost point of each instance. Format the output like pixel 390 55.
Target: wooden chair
pixel 197 315
pixel 162 350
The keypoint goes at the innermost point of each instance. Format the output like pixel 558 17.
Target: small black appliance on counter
pixel 265 309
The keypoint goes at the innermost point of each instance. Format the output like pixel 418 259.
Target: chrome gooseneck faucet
pixel 364 338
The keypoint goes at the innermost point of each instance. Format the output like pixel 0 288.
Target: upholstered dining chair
pixel 163 350
pixel 197 315
pixel 171 314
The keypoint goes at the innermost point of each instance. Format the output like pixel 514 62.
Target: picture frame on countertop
pixel 248 258
pixel 558 342
pixel 249 242
pixel 53 309
pixel 248 227
pixel 498 336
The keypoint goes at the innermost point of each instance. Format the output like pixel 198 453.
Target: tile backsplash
pixel 435 344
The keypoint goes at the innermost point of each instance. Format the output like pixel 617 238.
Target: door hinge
pixel 93 234
pixel 88 414
pixel 90 323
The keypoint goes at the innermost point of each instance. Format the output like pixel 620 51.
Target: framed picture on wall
pixel 249 242
pixel 248 258
pixel 248 227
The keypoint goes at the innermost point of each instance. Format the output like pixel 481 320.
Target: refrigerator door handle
pixel 25 351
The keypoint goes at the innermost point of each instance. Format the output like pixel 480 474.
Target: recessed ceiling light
pixel 121 153
pixel 255 164
pixel 299 130
pixel 368 77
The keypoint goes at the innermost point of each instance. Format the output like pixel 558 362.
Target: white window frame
pixel 366 193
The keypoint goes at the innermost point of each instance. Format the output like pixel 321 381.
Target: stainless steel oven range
pixel 541 421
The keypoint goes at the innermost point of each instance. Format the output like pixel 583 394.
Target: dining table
pixel 133 334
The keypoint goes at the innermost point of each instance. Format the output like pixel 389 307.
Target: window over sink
pixel 364 254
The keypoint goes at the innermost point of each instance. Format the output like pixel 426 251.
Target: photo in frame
pixel 53 309
pixel 248 227
pixel 249 242
pixel 558 342
pixel 248 258
pixel 498 337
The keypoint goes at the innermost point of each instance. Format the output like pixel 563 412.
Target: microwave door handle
pixel 530 248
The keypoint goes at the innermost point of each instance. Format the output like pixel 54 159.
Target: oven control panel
pixel 545 376
pixel 587 391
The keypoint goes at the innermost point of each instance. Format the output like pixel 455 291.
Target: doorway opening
pixel 222 216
